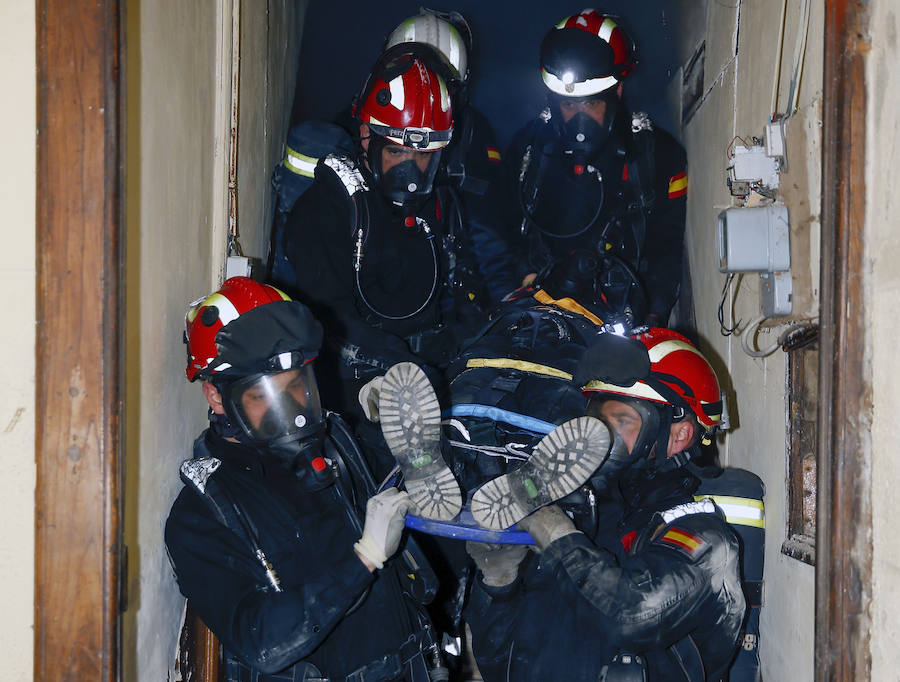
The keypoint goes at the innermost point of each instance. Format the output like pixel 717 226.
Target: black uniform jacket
pixel 661 572
pixel 331 611
pixel 658 227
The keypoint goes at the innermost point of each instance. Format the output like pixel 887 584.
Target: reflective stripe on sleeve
pixel 740 511
pixel 301 164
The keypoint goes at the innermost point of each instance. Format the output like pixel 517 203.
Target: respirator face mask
pixel 276 408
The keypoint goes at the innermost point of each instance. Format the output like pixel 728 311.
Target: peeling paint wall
pixel 741 40
pixel 883 251
pixel 17 337
pixel 178 87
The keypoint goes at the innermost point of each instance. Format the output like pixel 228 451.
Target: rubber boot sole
pixel 411 424
pixel 561 462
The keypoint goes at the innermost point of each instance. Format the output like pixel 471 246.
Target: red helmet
pixel 586 54
pixel 251 345
pixel 669 370
pixel 407 103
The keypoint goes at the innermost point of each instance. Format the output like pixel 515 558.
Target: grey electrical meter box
pixel 754 239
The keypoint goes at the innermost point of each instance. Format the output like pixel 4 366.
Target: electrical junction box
pixel 753 165
pixel 776 290
pixel 754 239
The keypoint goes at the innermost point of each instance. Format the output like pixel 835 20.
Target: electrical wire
pixel 723 330
pixel 778 49
pixel 749 333
pixel 748 336
pixel 799 54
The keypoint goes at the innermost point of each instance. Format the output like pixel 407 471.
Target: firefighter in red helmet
pixel 279 539
pixel 595 178
pixel 377 249
pixel 650 585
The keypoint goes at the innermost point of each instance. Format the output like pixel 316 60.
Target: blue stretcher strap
pixel 500 415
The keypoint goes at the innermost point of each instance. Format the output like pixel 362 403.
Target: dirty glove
pixel 499 564
pixel 546 525
pixel 383 527
pixel 368 398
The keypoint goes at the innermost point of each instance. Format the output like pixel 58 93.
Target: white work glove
pixel 368 397
pixel 383 527
pixel 546 525
pixel 499 564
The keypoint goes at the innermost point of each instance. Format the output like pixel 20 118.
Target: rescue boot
pixel 561 462
pixel 411 423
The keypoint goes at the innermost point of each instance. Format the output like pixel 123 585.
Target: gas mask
pixel 404 184
pixel 278 410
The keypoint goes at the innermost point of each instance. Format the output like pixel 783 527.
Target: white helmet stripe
pixel 445 97
pixel 606 29
pixel 397 93
pixel 661 350
pixel 454 41
pixel 586 88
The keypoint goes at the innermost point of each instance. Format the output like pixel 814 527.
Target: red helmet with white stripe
pixel 586 54
pixel 673 373
pixel 407 103
pixel 247 327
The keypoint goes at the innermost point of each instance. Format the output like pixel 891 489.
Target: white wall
pixel 883 254
pixel 17 337
pixel 741 40
pixel 178 118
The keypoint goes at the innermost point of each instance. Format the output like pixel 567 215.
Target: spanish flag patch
pixel 682 540
pixel 493 154
pixel 678 185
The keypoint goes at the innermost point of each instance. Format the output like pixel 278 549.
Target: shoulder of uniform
pixel 692 529
pixel 347 171
pixel 197 472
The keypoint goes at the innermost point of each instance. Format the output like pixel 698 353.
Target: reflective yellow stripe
pixel 569 304
pixel 509 363
pixel 300 163
pixel 740 511
pixel 636 390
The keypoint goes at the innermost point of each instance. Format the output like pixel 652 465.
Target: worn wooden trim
pixel 78 350
pixel 844 522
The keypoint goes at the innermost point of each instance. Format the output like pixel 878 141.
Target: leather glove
pixel 547 524
pixel 499 564
pixel 368 398
pixel 384 526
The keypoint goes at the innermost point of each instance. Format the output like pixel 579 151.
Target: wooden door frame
pixel 78 348
pixel 844 520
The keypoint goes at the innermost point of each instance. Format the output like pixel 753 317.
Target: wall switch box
pixel 751 164
pixel 237 266
pixel 754 239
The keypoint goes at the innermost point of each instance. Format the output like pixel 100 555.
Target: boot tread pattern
pixel 562 461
